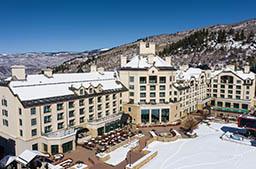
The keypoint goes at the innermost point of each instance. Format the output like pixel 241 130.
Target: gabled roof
pixel 189 73
pixel 41 87
pixel 141 62
pixel 238 73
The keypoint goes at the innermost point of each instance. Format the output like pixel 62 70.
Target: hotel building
pixel 44 112
pixel 232 91
pixel 149 79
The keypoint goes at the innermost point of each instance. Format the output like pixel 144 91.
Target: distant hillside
pixel 35 61
pixel 218 44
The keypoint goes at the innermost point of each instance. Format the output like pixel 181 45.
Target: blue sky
pixel 76 25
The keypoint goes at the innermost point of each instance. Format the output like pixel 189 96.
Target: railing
pixel 227 109
pixel 60 133
pixel 103 120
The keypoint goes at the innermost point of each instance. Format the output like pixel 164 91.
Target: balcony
pixel 60 134
pixel 227 109
pixel 102 121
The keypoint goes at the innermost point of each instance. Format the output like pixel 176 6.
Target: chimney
pixel 123 60
pixel 184 67
pixel 151 59
pixel 93 68
pixel 168 59
pixel 247 68
pixel 47 72
pixel 18 72
pixel 147 48
pixel 101 70
pixel 232 67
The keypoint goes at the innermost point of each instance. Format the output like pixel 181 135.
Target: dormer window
pixel 248 81
pixel 90 90
pixel 147 45
pixel 81 91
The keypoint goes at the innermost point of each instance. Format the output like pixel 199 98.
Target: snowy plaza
pixel 207 151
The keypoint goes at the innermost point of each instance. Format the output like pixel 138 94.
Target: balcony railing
pixel 60 133
pixel 106 119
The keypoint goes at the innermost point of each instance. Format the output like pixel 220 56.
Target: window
pixel 20 122
pixel 99 114
pixel 107 112
pixel 238 87
pixel 142 88
pixel 60 125
pixel 162 79
pixel 248 87
pixel 222 86
pixel 245 106
pixel 47 109
pixel 219 104
pixel 142 101
pixel 35 146
pixel 222 91
pixel 162 94
pixel 107 97
pixel 131 87
pixel 230 86
pixel 142 94
pixel 59 106
pixel 215 86
pixel 99 99
pixel 131 79
pixel 230 92
pixel 162 87
pixel 4 102
pixel 114 96
pixel 21 133
pixel 152 87
pixel 48 129
pixel 131 93
pixel 81 91
pixel 5 122
pixel 238 97
pixel 71 122
pixel 227 104
pixel 60 116
pixel 33 122
pixel 33 132
pixel 71 105
pixel 20 111
pixel 45 146
pixel 33 111
pixel 238 81
pixel 91 101
pixel 5 113
pixel 238 92
pixel 152 94
pixel 71 113
pixel 47 119
pixel 236 105
pixel 90 109
pixel 99 107
pixel 81 102
pixel 81 119
pixel 81 111
pixel 143 80
pixel 152 79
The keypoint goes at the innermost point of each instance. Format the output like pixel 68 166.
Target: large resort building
pixel 46 111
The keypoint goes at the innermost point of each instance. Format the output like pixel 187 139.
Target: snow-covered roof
pixel 189 73
pixel 27 156
pixel 140 61
pixel 7 160
pixel 40 86
pixel 239 73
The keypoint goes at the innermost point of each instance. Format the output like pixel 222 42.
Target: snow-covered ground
pixel 119 154
pixel 207 151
